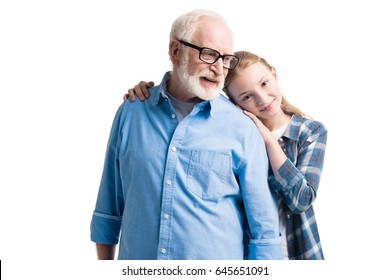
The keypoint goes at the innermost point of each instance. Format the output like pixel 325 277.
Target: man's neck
pixel 178 92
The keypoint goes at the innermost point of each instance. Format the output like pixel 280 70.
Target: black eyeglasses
pixel 211 56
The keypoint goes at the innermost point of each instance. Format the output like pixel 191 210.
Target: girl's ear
pixel 273 71
pixel 174 51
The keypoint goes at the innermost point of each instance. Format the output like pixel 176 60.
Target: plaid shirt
pixel 297 180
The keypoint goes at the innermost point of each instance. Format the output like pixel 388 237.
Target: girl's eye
pixel 246 97
pixel 263 84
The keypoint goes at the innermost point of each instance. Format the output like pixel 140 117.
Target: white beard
pixel 192 82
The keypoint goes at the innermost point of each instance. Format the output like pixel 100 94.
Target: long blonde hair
pixel 247 59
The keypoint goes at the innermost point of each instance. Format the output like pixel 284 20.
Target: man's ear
pixel 174 51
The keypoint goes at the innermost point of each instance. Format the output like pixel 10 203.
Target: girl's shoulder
pixel 305 129
pixel 307 123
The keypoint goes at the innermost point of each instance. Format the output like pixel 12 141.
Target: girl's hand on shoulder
pixel 256 120
pixel 140 91
pixel 264 131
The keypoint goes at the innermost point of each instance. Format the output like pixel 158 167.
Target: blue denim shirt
pixel 185 190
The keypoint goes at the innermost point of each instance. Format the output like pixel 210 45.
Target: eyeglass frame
pixel 217 57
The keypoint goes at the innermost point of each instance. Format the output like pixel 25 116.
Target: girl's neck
pixel 277 121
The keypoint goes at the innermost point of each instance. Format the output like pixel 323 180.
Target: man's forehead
pixel 213 33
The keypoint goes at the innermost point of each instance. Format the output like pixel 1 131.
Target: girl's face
pixel 256 90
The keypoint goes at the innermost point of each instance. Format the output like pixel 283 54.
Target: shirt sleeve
pixel 260 204
pixel 106 220
pixel 299 183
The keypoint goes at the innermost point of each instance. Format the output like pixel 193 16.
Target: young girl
pixel 295 145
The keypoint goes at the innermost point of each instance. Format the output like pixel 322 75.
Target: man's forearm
pixel 105 251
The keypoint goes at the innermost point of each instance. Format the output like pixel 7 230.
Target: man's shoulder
pixel 222 103
pixel 231 112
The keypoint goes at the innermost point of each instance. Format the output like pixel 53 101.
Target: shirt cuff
pixel 265 249
pixel 105 229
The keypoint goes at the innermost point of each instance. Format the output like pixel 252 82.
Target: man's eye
pixel 227 59
pixel 210 53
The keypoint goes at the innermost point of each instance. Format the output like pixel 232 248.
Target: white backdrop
pixel 65 65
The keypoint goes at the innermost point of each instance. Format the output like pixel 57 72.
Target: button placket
pixel 168 192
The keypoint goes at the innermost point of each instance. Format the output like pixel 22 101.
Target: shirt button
pixel 173 116
pixel 173 149
pixel 166 216
pixel 169 182
pixel 288 216
pixel 163 250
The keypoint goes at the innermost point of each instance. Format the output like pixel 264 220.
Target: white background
pixel 65 65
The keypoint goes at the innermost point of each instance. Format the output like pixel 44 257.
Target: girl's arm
pixel 140 91
pixel 296 181
pixel 298 178
pixel 275 153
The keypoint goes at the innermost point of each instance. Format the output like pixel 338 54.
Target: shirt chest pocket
pixel 208 174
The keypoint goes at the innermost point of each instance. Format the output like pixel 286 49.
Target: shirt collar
pixel 292 130
pixel 161 89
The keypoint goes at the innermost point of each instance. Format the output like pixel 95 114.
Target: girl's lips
pixel 268 107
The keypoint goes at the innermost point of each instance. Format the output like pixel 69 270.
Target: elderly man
pixel 178 183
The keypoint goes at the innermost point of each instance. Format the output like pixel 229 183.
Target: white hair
pixel 184 26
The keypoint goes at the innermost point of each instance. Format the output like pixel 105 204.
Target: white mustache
pixel 211 76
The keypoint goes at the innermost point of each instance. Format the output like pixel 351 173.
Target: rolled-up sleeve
pixel 106 219
pixel 105 229
pixel 260 205
pixel 265 249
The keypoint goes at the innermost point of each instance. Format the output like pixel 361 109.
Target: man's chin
pixel 209 95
